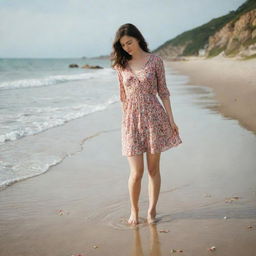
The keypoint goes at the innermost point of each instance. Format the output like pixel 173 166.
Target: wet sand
pixel 233 81
pixel 81 205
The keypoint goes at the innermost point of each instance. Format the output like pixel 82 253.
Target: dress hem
pixel 154 152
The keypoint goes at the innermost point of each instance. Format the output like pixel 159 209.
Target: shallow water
pixel 37 95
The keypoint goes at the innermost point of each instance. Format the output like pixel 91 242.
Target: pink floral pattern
pixel 145 124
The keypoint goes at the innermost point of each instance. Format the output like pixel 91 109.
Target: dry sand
pixel 234 82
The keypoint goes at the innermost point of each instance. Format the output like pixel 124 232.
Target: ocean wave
pixel 51 80
pixel 52 117
pixel 31 165
pixel 37 169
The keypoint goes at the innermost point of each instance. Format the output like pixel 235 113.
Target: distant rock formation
pixel 172 51
pixel 90 66
pixel 85 66
pixel 235 38
pixel 73 66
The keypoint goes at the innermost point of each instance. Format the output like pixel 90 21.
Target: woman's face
pixel 129 44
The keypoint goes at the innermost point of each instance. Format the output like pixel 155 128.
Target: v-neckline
pixel 142 66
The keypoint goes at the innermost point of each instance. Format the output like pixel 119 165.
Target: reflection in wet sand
pixel 137 249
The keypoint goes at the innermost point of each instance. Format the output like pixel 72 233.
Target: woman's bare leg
pixel 154 183
pixel 134 184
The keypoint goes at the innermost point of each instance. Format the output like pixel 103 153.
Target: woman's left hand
pixel 174 128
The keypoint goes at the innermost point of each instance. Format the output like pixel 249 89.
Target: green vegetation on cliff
pixel 195 39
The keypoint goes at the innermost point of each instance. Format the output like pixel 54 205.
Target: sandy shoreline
pixel 79 206
pixel 234 82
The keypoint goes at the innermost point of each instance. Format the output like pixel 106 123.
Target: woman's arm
pixel 167 106
pixel 164 92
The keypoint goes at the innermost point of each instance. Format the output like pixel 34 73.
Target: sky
pixel 76 28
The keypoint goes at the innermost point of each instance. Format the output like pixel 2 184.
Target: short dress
pixel 145 125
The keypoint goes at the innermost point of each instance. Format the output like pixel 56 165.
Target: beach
pixel 207 199
pixel 233 81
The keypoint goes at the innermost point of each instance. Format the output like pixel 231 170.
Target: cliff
pixel 238 37
pixel 230 35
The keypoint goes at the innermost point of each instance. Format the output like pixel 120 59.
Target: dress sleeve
pixel 122 95
pixel 162 89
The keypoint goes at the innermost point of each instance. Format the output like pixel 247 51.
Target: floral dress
pixel 145 124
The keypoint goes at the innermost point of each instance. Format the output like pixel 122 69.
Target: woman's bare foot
pixel 151 216
pixel 134 218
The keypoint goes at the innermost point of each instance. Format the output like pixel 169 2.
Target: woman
pixel 146 125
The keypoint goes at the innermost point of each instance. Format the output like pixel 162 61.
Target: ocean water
pixel 41 94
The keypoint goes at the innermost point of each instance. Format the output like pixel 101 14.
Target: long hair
pixel 119 56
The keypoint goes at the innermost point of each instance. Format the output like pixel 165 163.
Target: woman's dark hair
pixel 119 56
